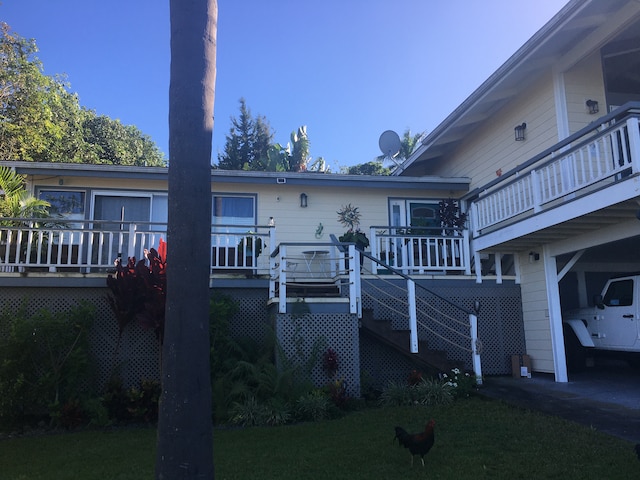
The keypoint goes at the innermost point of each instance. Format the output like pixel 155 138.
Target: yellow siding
pixel 536 315
pixel 280 201
pixel 492 147
pixel 584 82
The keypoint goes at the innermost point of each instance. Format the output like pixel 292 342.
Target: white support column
pixel 413 320
pixel 498 260
pixel 475 355
pixel 555 317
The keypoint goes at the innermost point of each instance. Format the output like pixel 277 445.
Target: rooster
pixel 417 443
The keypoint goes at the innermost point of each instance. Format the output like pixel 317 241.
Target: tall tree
pixel 246 143
pixel 185 433
pixel 42 121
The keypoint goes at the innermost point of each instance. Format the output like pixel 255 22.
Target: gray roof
pixel 246 177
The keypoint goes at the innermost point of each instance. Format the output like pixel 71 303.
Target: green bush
pixel 427 391
pixel 44 363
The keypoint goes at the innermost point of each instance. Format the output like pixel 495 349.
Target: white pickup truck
pixel 612 324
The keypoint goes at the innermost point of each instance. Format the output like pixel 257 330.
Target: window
pixel 619 294
pixel 67 204
pixel 230 210
pixel 413 213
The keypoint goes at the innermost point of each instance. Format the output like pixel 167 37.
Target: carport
pixel 577 248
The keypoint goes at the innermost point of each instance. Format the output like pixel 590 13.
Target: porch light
pixel 592 106
pixel 534 257
pixel 519 130
pixel 303 200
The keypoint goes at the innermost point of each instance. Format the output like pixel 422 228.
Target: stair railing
pixel 418 308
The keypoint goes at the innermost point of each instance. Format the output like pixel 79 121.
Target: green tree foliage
pixel 408 143
pixel 42 121
pixel 247 142
pixel 374 167
pixel 15 201
pixel 248 147
pixel 109 141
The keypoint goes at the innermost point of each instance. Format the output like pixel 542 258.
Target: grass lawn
pixel 475 438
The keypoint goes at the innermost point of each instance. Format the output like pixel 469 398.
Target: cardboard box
pixel 521 366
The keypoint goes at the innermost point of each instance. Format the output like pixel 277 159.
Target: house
pixel 551 144
pixel 543 157
pixel 273 248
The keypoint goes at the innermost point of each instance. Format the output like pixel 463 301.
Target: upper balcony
pixel 581 183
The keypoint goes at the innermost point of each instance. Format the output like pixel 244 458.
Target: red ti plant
pixel 138 291
pixel 330 361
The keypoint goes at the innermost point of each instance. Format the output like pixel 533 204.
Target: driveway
pixel 605 397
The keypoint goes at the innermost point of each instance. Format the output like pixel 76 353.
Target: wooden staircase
pixel 429 361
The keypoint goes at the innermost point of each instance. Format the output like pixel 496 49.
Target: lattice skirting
pixel 136 356
pixel 303 337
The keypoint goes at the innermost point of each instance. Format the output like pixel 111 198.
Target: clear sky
pixel 348 69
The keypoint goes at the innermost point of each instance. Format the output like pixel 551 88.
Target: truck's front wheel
pixel 574 351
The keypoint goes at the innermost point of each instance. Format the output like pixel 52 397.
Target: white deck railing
pixel 420 250
pixel 92 246
pixel 601 153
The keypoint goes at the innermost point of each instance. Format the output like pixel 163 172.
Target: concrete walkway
pixel 606 397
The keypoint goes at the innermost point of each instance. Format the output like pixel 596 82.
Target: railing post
pixel 282 299
pixel 477 368
pixel 536 191
pixel 274 273
pixel 633 130
pixel 374 248
pixel 465 252
pixel 131 252
pixel 413 320
pixel 354 279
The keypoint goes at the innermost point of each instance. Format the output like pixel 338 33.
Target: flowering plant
pixel 461 384
pixel 349 217
pixel 330 361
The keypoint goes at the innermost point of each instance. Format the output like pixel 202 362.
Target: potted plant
pixel 247 242
pixel 450 216
pixel 349 217
pixel 452 220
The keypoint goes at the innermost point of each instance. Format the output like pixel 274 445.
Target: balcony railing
pixel 604 152
pixel 93 246
pixel 420 250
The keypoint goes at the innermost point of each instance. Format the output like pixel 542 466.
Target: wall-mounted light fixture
pixel 592 106
pixel 534 257
pixel 519 131
pixel 303 200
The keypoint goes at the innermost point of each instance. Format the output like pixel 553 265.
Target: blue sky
pixel 347 69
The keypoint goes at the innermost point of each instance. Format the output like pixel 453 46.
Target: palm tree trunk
pixel 185 432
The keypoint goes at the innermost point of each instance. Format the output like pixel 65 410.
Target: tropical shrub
pixel 44 362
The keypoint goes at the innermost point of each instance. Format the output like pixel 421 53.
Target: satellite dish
pixel 390 146
pixel 389 143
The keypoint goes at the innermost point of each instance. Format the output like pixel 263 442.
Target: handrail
pixel 616 115
pixel 598 153
pixel 413 310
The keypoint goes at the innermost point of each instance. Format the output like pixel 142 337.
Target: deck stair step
pixel 322 289
pixel 432 361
